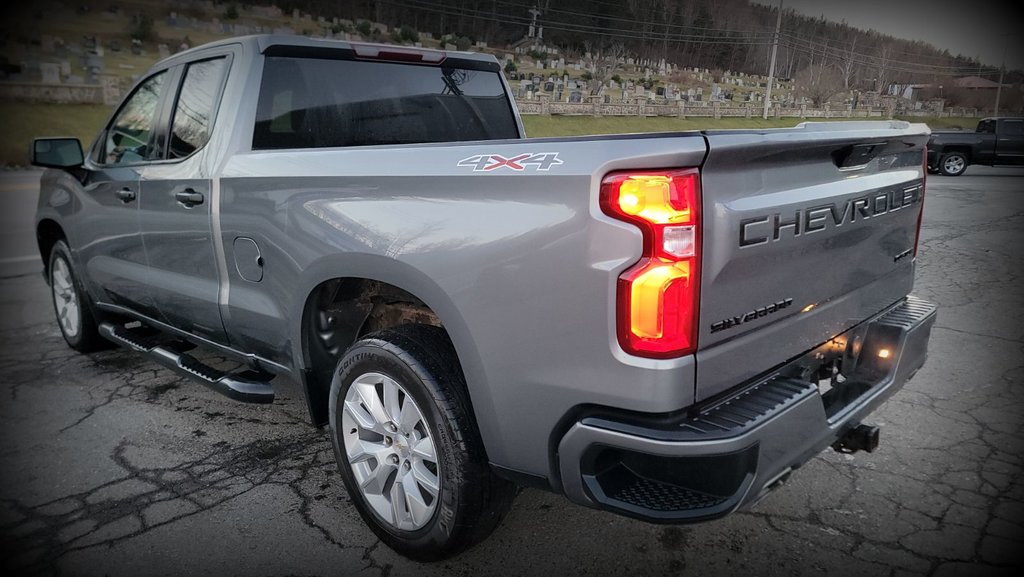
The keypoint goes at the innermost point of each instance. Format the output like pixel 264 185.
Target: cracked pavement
pixel 111 465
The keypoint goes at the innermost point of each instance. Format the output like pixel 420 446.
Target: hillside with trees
pixel 731 35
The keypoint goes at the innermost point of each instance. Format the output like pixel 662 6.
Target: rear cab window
pixel 1013 127
pixel 317 102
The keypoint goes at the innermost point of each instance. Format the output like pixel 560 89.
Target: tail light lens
pixel 920 209
pixel 657 298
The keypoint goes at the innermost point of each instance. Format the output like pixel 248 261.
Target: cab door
pixel 107 240
pixel 176 201
pixel 1010 141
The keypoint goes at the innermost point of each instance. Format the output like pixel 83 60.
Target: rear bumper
pixel 704 463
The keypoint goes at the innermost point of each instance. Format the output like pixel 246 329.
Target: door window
pixel 988 126
pixel 129 138
pixel 193 113
pixel 1013 127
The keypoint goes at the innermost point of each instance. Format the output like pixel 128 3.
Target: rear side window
pixel 1013 127
pixel 193 112
pixel 988 126
pixel 316 103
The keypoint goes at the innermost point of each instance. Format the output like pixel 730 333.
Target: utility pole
pixel 999 89
pixel 771 69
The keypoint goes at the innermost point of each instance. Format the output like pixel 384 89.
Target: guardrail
pixel 680 109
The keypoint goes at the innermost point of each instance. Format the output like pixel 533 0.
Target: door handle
pixel 126 195
pixel 189 197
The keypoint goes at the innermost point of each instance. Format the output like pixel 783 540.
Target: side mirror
pixel 57 152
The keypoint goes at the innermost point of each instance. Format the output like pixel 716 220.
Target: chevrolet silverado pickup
pixel 663 326
pixel 996 142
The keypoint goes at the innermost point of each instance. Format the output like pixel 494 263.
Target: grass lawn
pixel 23 121
pixel 540 126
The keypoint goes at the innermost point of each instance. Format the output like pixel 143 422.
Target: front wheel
pixel 74 314
pixel 407 445
pixel 953 164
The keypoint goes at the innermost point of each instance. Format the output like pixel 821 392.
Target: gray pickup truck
pixel 662 326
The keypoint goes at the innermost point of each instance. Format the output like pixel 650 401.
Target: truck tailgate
pixel 807 231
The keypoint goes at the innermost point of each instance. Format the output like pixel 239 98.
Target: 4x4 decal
pixel 488 162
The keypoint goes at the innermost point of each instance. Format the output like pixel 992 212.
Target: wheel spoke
pixel 376 479
pixel 410 416
pixel 361 450
pixel 424 449
pixel 363 419
pixel 368 394
pixel 391 405
pixel 416 504
pixel 399 506
pixel 426 478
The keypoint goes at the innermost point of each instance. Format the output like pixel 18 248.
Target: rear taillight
pixel 920 209
pixel 657 297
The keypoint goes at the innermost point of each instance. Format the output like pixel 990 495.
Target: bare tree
pixel 884 56
pixel 818 84
pixel 846 62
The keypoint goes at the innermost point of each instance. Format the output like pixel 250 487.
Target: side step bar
pixel 247 387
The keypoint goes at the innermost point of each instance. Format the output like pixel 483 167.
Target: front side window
pixel 316 102
pixel 193 113
pixel 129 138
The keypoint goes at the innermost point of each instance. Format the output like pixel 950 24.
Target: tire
pixel 71 304
pixel 953 163
pixel 468 500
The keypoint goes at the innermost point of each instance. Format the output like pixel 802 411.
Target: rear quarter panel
pixel 519 265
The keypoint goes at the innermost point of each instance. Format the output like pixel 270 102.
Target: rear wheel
pixel 74 314
pixel 407 444
pixel 953 164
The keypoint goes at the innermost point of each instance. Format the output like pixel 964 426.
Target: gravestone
pixel 164 51
pixel 576 97
pixel 549 86
pixel 50 72
pixel 660 91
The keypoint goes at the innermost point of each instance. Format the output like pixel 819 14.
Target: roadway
pixel 111 465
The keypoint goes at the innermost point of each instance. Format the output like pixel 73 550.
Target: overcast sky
pixel 975 28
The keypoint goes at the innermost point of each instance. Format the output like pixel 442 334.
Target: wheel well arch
pixel 338 312
pixel 965 150
pixel 48 232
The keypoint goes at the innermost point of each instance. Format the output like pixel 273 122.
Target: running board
pixel 247 387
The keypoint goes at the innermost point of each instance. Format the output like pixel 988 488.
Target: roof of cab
pixel 263 41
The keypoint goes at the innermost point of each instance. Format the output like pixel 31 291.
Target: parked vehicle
pixel 659 325
pixel 996 142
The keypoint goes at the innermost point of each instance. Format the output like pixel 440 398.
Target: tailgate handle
pixel 856 155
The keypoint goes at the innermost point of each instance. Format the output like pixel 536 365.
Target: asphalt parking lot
pixel 110 465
